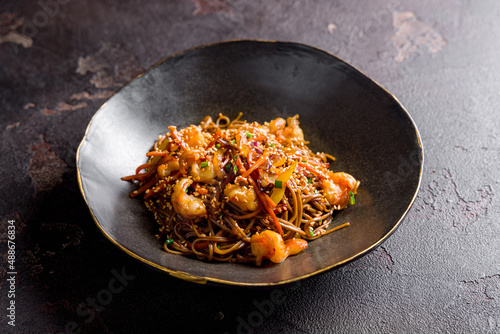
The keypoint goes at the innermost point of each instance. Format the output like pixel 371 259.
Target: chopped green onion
pixel 272 145
pixel 162 216
pixel 233 141
pixel 249 135
pixel 278 184
pixel 217 145
pixel 235 169
pixel 352 200
pixel 204 164
pixel 311 233
pixel 309 180
pixel 169 241
pixel 228 167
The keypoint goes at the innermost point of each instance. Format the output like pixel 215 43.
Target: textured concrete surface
pixel 439 272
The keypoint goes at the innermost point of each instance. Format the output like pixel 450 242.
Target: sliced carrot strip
pixel 143 188
pixel 269 201
pixel 266 204
pixel 141 167
pixel 256 165
pixel 157 154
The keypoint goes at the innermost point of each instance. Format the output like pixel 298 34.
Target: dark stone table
pixel 438 273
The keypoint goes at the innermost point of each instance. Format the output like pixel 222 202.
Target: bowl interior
pixel 342 112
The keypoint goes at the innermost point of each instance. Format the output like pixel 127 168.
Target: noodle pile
pixel 215 187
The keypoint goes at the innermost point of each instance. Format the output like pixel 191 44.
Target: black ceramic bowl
pixel 342 112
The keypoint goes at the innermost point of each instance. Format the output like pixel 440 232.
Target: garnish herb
pixel 204 164
pixel 278 184
pixel 352 200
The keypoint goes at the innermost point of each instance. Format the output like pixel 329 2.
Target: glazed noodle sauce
pixel 237 191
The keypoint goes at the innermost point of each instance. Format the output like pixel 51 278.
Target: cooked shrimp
pixel 270 245
pixel 187 206
pixel 243 197
pixel 203 172
pixel 276 125
pixel 164 170
pixel 344 180
pixel 295 246
pixel 187 158
pixel 337 188
pixel 293 130
pixel 193 136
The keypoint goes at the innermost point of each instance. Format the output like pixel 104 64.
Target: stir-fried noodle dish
pixel 238 191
